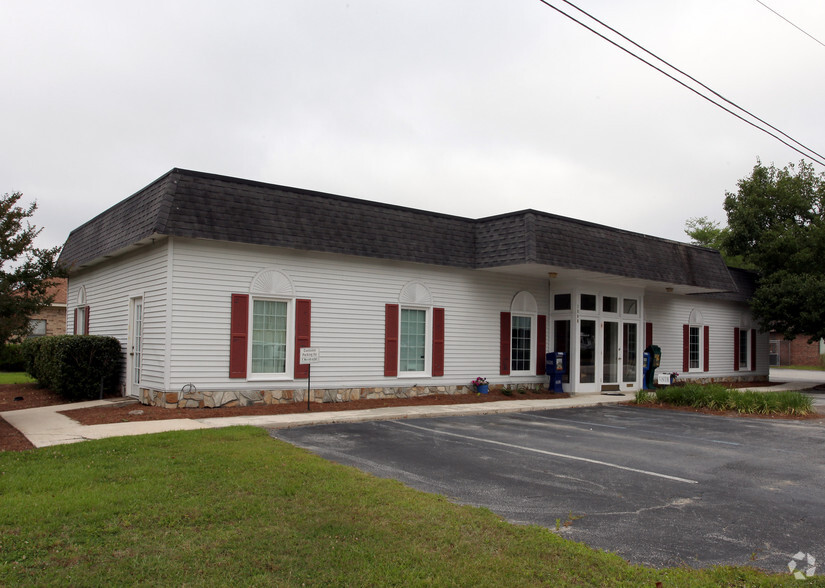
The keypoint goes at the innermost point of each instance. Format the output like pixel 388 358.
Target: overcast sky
pixel 472 108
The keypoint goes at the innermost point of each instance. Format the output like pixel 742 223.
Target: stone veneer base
pixel 229 398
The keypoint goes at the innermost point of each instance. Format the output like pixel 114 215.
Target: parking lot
pixel 661 488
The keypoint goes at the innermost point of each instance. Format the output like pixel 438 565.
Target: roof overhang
pixel 550 272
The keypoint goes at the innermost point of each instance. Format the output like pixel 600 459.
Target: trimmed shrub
pixel 75 366
pixel 11 358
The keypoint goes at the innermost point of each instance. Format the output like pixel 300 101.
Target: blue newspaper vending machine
pixel 555 367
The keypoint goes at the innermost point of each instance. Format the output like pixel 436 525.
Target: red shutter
pixel 706 350
pixel 736 349
pixel 86 322
pixel 541 344
pixel 74 323
pixel 648 335
pixel 391 340
pixel 238 326
pixel 438 341
pixel 753 349
pixel 504 343
pixel 685 348
pixel 303 329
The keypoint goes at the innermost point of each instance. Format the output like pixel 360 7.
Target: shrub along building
pixel 213 284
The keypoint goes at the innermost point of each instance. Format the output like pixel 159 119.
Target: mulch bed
pixel 15 397
pixel 19 396
pixel 137 412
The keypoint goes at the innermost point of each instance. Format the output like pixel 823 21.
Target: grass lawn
pixel 16 378
pixel 812 368
pixel 234 507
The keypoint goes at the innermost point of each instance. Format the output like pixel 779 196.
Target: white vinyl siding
pixel 109 287
pixel 670 312
pixel 348 297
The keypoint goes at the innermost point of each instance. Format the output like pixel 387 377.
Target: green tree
pixel 26 272
pixel 707 233
pixel 776 222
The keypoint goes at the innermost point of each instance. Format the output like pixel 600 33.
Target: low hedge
pixel 11 358
pixel 75 366
pixel 718 397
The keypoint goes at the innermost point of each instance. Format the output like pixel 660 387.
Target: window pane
pixel 413 340
pixel 694 348
pixel 520 343
pixel 587 352
pixel 588 301
pixel 629 344
pixel 37 327
pixel 269 337
pixel 561 302
pixel 743 348
pixel 630 306
pixel 561 342
pixel 610 304
pixel 610 355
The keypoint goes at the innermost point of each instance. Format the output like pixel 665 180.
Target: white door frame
pixel 134 351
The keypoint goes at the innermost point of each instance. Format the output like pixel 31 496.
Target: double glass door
pixel 605 354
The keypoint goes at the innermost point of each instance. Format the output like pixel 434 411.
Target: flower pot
pixel 482 388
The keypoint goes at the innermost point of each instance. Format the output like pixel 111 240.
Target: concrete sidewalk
pixel 44 426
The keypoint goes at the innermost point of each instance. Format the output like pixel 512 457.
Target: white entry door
pixel 133 360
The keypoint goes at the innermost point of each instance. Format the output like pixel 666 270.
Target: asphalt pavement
pixel 660 488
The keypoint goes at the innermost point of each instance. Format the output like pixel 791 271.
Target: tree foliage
pixel 707 233
pixel 26 272
pixel 776 222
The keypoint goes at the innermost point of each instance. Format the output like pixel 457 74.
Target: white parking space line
pixel 543 452
pixel 632 429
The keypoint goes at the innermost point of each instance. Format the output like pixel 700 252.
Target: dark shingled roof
pixel 192 204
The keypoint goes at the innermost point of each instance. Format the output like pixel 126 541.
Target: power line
pixel 820 159
pixel 792 24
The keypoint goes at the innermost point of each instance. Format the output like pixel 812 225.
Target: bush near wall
pixel 74 366
pixel 11 358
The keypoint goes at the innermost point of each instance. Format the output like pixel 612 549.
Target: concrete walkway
pixel 44 426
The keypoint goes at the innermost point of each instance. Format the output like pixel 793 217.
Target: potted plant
pixel 481 385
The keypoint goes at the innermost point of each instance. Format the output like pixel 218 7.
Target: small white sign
pixel 310 354
pixel 663 379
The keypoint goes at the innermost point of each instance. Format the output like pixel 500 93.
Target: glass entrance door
pixel 610 354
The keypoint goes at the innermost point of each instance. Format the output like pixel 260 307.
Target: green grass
pixel 718 397
pixel 814 368
pixel 16 378
pixel 234 507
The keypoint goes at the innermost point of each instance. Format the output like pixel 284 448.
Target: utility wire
pixel 790 23
pixel 818 159
pixel 691 78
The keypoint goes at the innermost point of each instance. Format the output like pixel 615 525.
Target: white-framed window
pixel 696 341
pixel 522 343
pixel 695 349
pixel 630 306
pixel 744 349
pixel 37 327
pixel 523 335
pixel 80 321
pixel 272 333
pixel 414 341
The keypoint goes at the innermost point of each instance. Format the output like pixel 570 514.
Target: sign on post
pixel 310 355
